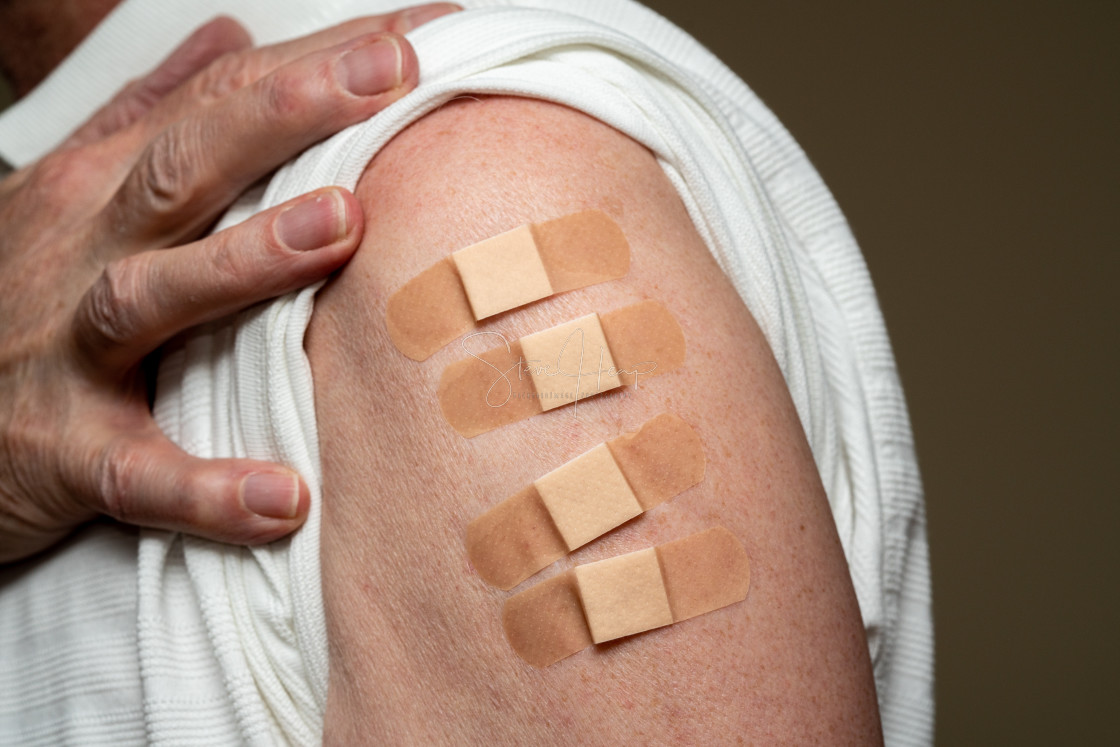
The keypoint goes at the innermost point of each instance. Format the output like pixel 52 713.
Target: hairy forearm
pixel 417 648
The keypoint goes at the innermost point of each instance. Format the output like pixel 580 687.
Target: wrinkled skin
pixel 102 261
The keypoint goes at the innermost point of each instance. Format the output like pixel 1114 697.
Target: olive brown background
pixel 973 147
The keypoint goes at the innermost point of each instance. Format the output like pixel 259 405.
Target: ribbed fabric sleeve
pixel 231 642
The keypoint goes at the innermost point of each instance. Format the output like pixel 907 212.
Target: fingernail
pixel 419 16
pixel 313 223
pixel 374 68
pixel 275 496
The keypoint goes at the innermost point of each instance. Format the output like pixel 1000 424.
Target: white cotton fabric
pixel 231 642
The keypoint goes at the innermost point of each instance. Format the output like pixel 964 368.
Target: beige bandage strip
pixel 512 269
pixel 627 594
pixel 584 357
pixel 583 499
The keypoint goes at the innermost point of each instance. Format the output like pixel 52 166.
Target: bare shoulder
pixel 418 652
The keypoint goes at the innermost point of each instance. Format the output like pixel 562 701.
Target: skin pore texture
pixel 417 651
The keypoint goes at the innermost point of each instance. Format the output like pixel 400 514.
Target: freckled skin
pixel 417 650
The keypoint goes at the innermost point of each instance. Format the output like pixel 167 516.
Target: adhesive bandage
pixel 625 595
pixel 504 272
pixel 559 366
pixel 584 499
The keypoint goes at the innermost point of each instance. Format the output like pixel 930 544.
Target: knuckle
pixel 229 263
pixel 53 168
pixel 70 184
pixel 59 175
pixel 113 304
pixel 247 256
pixel 230 72
pixel 121 113
pixel 163 179
pixel 288 95
pixel 139 96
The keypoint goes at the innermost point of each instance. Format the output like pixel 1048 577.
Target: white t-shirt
pixel 122 636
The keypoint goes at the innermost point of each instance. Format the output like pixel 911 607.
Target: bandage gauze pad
pixel 588 497
pixel 504 272
pixel 570 362
pixel 626 595
pixel 583 499
pixel 559 366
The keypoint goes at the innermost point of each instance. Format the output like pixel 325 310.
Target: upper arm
pixel 417 648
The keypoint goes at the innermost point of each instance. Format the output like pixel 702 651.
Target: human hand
pixel 101 262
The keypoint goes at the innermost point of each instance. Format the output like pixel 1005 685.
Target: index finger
pixel 236 71
pixel 206 44
pixel 198 165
